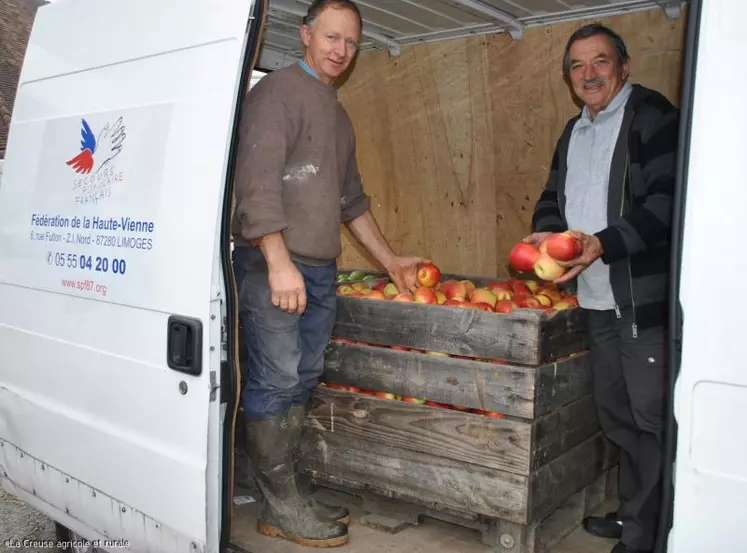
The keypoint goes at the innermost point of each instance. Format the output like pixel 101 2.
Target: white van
pixel 118 326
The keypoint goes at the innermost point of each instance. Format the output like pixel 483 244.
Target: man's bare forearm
pixel 366 230
pixel 273 248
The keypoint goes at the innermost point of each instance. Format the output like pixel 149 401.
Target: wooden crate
pixel 529 370
pixel 525 336
pixel 514 470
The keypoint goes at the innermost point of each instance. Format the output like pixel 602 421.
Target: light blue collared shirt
pixel 587 183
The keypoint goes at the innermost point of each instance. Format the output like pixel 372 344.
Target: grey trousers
pixel 630 382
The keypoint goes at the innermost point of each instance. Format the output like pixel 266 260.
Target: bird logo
pixel 105 147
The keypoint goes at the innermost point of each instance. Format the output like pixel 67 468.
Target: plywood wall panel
pixel 455 138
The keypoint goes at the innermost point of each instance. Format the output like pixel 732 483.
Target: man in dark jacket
pixel 611 183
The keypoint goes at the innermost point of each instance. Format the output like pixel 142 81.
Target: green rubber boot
pixel 296 416
pixel 285 513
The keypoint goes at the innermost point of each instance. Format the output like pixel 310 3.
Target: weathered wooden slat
pixel 478 440
pixel 560 431
pixel 512 390
pixel 427 479
pixel 526 336
pixel 415 476
pixel 512 445
pixel 554 482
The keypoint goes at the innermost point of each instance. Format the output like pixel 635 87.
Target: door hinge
pixel 213 385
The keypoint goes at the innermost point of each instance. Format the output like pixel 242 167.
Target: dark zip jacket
pixel 636 243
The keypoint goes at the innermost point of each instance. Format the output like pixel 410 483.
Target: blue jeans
pixel 285 351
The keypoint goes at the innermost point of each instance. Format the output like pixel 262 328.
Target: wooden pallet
pixel 391 516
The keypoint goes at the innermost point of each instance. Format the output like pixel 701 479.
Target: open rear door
pixel 710 477
pixel 110 274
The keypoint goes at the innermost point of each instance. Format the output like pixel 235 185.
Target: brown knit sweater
pixel 296 170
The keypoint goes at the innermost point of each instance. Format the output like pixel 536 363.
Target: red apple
pixel 428 275
pixel 404 296
pixel 440 297
pixel 503 295
pixel 484 306
pixel 529 302
pixel 504 306
pixel 385 395
pixel 497 285
pixel 491 414
pixel 453 289
pixel 483 295
pixel 562 246
pixel 533 285
pixel 376 295
pixel 381 285
pixel 544 300
pixel 523 256
pixel 551 292
pixel 408 399
pixel 425 295
pixel 390 290
pixel 470 286
pixel 547 268
pixel 519 287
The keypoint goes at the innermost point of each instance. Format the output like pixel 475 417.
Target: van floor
pixel 430 536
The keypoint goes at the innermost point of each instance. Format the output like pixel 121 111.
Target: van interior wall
pixel 455 139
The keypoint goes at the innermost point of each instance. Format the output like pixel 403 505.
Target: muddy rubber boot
pixel 284 512
pixel 296 416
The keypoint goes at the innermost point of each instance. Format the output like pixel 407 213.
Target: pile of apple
pixel 497 296
pixel 543 261
pixel 408 399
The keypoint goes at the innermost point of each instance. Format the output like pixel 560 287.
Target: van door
pixel 111 213
pixel 710 477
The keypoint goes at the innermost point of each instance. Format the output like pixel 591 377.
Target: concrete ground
pixel 19 522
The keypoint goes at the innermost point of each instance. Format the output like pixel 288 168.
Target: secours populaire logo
pixel 95 163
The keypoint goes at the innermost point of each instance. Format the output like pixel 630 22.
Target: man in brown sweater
pixel 297 181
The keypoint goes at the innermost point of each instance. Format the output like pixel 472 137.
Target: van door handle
pixel 184 349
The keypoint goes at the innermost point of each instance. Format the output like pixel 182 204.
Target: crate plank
pixel 512 390
pixel 514 445
pixel 494 443
pixel 556 481
pixel 525 336
pixel 561 430
pixel 415 476
pixel 428 480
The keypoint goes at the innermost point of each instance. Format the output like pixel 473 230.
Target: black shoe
pixel 284 512
pixel 608 526
pixel 296 416
pixel 622 548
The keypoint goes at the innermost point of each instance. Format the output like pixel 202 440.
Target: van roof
pixel 408 22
